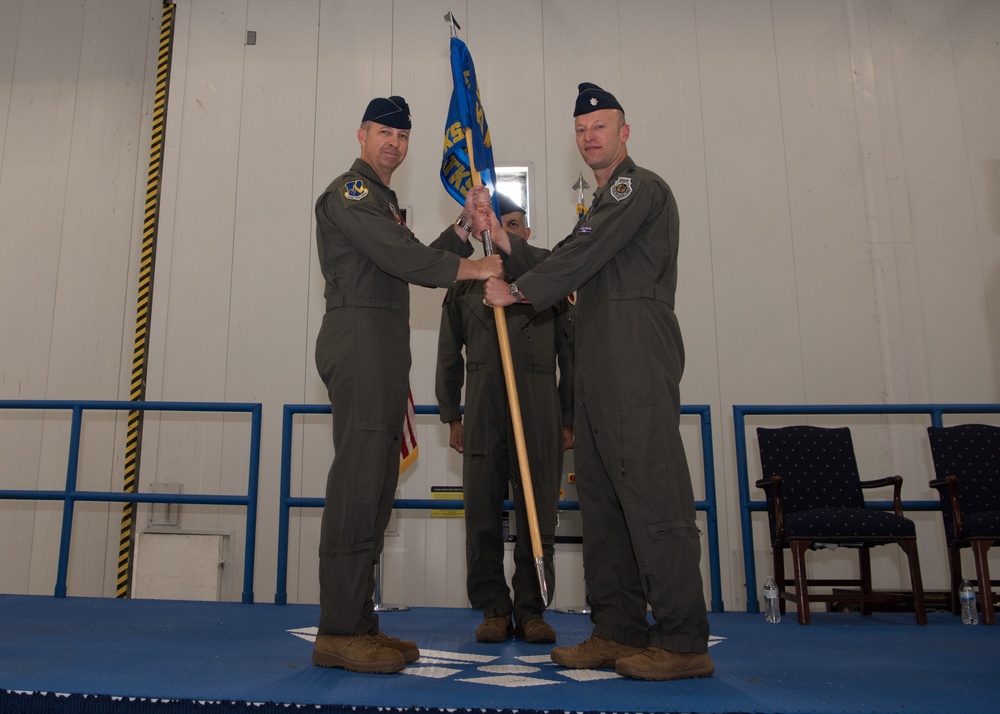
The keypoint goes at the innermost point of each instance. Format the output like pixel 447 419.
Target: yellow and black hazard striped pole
pixel 137 390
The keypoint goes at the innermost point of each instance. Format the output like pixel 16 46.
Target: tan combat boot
pixel 495 629
pixel 661 665
pixel 357 653
pixel 593 653
pixel 536 631
pixel 409 650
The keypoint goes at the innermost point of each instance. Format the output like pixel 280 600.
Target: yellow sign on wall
pixel 447 493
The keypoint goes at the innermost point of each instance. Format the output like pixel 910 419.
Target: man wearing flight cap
pixel 640 540
pixel 538 340
pixel 368 258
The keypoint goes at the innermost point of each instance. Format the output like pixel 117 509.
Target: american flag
pixel 408 447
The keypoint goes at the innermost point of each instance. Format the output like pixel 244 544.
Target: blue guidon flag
pixel 466 112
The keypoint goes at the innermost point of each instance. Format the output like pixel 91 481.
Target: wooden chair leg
pixel 955 565
pixel 799 549
pixel 865 560
pixel 778 557
pixel 980 550
pixel 916 581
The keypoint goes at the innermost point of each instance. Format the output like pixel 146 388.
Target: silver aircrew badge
pixel 622 189
pixel 355 190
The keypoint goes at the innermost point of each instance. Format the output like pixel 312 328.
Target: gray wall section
pixel 836 164
pixel 76 88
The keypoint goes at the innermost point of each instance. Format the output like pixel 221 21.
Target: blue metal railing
pixel 287 501
pixel 747 505
pixel 70 495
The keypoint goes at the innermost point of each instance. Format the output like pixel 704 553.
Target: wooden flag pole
pixel 515 408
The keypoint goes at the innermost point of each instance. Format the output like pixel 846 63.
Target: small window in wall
pixel 512 181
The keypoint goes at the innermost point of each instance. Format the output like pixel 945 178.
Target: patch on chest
pixel 622 188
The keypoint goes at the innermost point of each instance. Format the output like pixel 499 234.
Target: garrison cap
pixel 394 112
pixel 591 98
pixel 508 205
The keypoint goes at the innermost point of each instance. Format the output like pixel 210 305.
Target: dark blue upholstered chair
pixel 967 466
pixel 814 499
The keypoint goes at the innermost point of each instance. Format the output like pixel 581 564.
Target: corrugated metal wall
pixel 836 164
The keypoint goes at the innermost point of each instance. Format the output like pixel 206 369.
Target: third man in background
pixel 538 339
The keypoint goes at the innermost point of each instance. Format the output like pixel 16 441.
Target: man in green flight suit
pixel 640 540
pixel 486 440
pixel 368 257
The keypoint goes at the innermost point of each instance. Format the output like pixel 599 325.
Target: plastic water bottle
pixel 967 598
pixel 772 612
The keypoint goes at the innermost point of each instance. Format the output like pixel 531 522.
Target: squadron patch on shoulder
pixel 355 190
pixel 584 230
pixel 622 188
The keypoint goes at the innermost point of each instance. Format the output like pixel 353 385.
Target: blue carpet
pixel 165 656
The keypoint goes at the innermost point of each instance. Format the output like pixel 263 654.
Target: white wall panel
pixel 948 252
pixel 74 89
pixel 749 232
pixel 273 239
pixel 10 26
pixel 752 248
pixel 832 258
pixel 193 301
pixel 977 67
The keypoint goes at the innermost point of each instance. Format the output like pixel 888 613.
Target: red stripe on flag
pixel 408 444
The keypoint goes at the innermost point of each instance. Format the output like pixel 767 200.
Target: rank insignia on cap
pixel 622 189
pixel 355 190
pixel 592 98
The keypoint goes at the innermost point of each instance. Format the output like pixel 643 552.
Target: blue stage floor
pixel 167 656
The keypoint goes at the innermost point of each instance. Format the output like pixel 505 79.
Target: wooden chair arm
pixel 897 488
pixel 951 483
pixel 774 485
